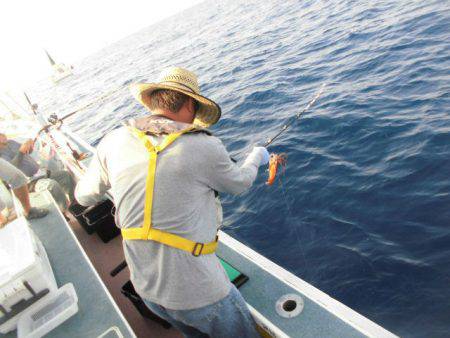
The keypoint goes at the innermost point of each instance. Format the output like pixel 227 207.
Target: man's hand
pixel 27 147
pixel 261 154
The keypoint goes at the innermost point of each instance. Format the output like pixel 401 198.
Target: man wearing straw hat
pixel 162 171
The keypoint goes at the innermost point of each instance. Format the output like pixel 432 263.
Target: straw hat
pixel 183 81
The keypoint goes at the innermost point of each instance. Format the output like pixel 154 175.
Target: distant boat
pixel 60 70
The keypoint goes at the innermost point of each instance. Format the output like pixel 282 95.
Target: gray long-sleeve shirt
pixel 24 162
pixel 187 172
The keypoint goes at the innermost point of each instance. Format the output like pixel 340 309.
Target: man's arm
pixel 224 175
pixel 95 182
pixel 21 158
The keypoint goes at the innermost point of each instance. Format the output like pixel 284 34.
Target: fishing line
pixel 280 160
pixel 305 261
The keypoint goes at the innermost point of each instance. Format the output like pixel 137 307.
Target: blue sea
pixel 362 211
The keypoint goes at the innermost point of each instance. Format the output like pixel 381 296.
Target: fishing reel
pixel 53 119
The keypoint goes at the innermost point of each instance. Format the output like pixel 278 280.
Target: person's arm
pixel 223 175
pixel 95 182
pixel 22 160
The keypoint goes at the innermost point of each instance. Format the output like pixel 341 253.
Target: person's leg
pixel 30 212
pixel 24 197
pixel 66 182
pixel 55 190
pixel 161 312
pixel 230 317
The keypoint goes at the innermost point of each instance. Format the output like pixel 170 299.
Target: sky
pixel 69 30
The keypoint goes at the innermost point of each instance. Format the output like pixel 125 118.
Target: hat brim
pixel 206 115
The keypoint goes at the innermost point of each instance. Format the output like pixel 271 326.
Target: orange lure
pixel 274 162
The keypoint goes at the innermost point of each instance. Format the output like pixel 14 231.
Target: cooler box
pixel 25 272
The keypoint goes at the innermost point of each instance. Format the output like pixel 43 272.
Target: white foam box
pixel 25 272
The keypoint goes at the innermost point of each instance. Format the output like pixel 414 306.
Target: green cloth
pixel 231 272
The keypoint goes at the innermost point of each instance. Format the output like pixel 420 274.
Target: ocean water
pixel 363 209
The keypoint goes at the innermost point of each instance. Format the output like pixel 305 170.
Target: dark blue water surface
pixel 363 211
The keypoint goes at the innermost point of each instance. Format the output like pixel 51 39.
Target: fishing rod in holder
pixel 55 121
pixel 77 156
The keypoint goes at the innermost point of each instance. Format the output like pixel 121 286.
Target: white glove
pixel 262 154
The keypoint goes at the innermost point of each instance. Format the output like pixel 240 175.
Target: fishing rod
pixel 290 120
pixel 18 104
pixel 77 156
pixel 100 98
pixel 277 160
pixel 33 107
pixel 54 119
pixel 12 112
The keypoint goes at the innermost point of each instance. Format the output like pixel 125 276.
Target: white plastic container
pixel 53 310
pixel 112 332
pixel 25 272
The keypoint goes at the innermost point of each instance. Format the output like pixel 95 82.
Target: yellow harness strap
pixel 146 232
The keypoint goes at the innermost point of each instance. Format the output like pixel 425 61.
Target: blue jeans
pixel 226 318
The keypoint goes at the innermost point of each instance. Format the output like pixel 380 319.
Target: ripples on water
pixel 363 210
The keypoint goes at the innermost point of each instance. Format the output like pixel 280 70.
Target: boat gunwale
pixel 340 310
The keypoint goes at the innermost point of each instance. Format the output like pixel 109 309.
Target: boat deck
pixel 74 255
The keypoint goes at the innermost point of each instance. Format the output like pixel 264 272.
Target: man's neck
pixel 165 113
pixel 160 115
pixel 183 115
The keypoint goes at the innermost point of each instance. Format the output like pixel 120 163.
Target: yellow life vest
pixel 147 232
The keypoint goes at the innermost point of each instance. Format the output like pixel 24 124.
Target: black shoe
pixel 36 213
